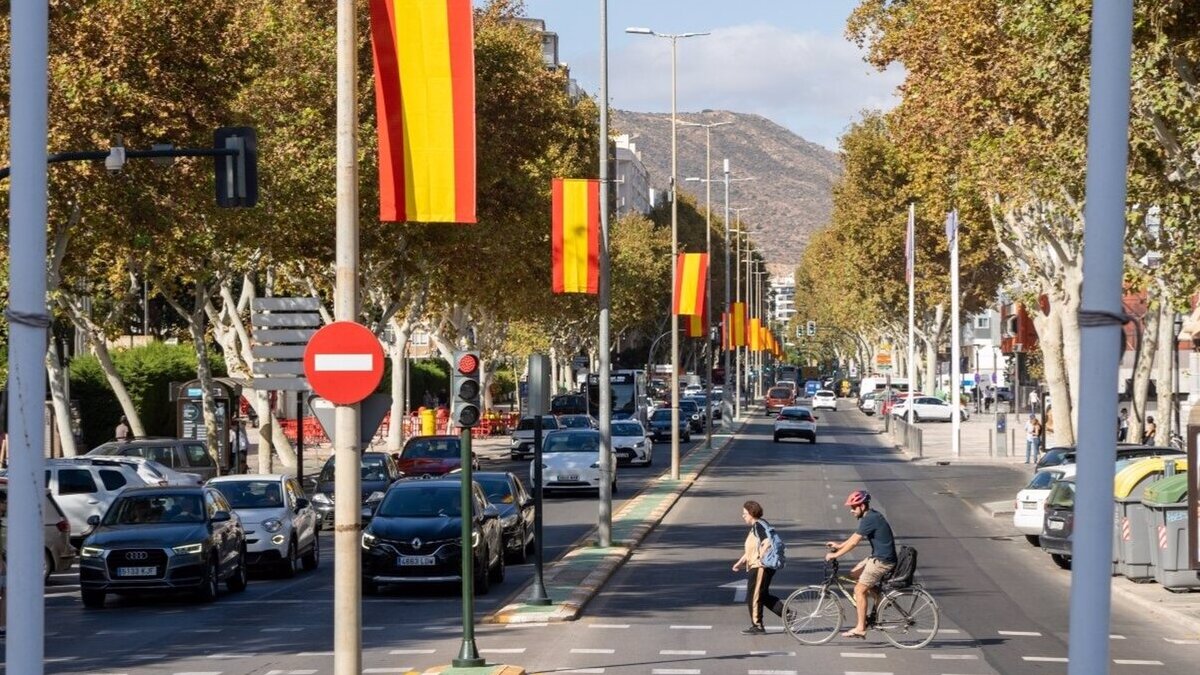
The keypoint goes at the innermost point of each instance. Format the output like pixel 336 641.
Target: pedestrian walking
pixel 1033 401
pixel 123 433
pixel 756 548
pixel 1122 425
pixel 1150 432
pixel 1033 438
pixel 989 397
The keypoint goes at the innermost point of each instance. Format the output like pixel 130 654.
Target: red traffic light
pixel 468 364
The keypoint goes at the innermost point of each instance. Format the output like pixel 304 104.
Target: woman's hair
pixel 754 509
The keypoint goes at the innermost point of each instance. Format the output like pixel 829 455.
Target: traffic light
pixel 464 390
pixel 236 174
pixel 812 328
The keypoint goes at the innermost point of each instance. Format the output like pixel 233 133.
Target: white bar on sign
pixel 344 362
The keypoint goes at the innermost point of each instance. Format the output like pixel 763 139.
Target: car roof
pixel 447 437
pixel 799 407
pixel 163 489
pixel 248 476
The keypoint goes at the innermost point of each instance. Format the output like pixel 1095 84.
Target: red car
pixel 779 398
pixel 432 456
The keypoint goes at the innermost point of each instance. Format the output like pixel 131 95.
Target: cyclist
pixel 874 528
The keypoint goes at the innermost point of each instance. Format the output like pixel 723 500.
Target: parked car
pixel 868 403
pixel 568 404
pixel 507 493
pixel 378 472
pixel 158 540
pixel 416 536
pixel 59 555
pixel 692 390
pixel 522 439
pixel 576 422
pixel 824 399
pixel 1029 513
pixel 630 442
pixel 86 488
pixel 927 408
pixel 691 410
pixel 152 472
pixel 1066 455
pixel 796 422
pixel 571 461
pixel 1059 524
pixel 432 456
pixel 181 454
pixel 281 525
pixel 779 398
pixel 660 426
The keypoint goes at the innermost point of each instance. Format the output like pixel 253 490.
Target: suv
pixel 522 438
pixel 59 554
pixel 181 454
pixel 85 487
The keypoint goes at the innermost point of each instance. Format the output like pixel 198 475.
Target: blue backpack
pixel 776 556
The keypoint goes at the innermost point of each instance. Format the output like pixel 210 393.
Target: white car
pixel 867 404
pixel 155 473
pixel 86 487
pixel 630 442
pixel 929 408
pixel 796 422
pixel 824 399
pixel 571 461
pixel 692 390
pixel 280 524
pixel 1029 509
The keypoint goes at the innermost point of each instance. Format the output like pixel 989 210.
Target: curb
pixel 570 608
pixel 482 670
pixel 1157 608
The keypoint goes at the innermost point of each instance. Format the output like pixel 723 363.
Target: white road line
pixel 593 651
pixel 675 671
pixel 838 520
pixel 1176 641
pixel 397 652
pixel 833 506
pixel 231 656
pixel 682 652
pixel 1046 659
pixel 608 625
pixel 343 362
pixel 148 657
pixel 954 657
pixel 504 650
pixel 1019 633
pixel 685 627
pixel 770 653
pixel 863 655
pixel 1116 637
pixel 1136 662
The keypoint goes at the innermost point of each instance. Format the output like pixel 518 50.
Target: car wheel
pixel 650 458
pixel 287 568
pixel 496 574
pixel 776 438
pixel 1063 561
pixel 1033 539
pixel 813 440
pixel 916 417
pixel 237 581
pixel 47 567
pixel 521 555
pixel 312 559
pixel 483 581
pixel 92 599
pixel 209 590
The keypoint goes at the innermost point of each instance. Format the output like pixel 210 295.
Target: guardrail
pixel 908 435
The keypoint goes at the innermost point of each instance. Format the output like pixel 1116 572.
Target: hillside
pixel 790 196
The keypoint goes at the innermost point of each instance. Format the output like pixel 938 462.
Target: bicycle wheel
pixel 812 615
pixel 908 618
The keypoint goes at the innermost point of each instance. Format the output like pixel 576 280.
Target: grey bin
pixel 1166 515
pixel 1132 538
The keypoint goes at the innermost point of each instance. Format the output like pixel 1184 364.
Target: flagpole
pixel 727 341
pixel 955 346
pixel 911 273
pixel 604 526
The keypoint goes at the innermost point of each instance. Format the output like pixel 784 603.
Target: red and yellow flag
pixel 690 278
pixel 754 341
pixel 737 334
pixel 425 99
pixel 695 326
pixel 575 235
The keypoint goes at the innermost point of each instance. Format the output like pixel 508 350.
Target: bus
pixel 789 374
pixel 629 399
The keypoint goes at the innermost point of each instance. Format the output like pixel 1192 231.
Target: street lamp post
pixel 674 38
pixel 737 287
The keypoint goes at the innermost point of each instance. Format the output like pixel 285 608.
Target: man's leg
pixel 860 600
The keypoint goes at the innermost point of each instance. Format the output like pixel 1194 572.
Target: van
pixel 185 455
pixel 875 383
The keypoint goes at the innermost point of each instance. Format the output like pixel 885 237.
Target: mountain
pixel 790 197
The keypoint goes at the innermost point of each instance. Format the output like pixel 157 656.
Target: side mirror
pixel 396 457
pixel 221 517
pixel 93 520
pixel 301 504
pixel 490 512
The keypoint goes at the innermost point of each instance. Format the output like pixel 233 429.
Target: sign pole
pixel 468 654
pixel 538 594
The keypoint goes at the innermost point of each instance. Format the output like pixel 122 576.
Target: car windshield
pixel 497 488
pixel 251 494
pixel 572 443
pixel 779 392
pixel 1042 480
pixel 574 422
pixel 373 468
pixel 700 399
pixel 1062 495
pixel 421 501
pixel 689 406
pixel 529 423
pixel 155 509
pixel 431 448
pixel 627 429
pixel 798 414
pixel 661 415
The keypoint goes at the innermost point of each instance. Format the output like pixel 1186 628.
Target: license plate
pixel 1029 505
pixel 417 560
pixel 137 571
pixel 568 476
pixel 1054 524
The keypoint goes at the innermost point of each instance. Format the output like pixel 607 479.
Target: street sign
pixel 343 362
pixel 281 329
pixel 374 408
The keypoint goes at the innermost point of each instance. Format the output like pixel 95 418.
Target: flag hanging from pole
pixel 910 245
pixel 425 102
pixel 755 341
pixel 737 333
pixel 695 325
pixel 689 283
pixel 575 235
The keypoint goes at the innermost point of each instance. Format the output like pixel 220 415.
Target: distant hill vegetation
pixel 792 191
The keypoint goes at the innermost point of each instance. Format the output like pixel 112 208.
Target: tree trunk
pixel 1143 366
pixel 402 331
pixel 58 397
pixel 1165 419
pixel 485 383
pixel 100 349
pixel 1050 341
pixel 196 326
pixel 1071 337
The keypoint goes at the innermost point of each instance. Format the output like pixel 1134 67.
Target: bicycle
pixel 908 617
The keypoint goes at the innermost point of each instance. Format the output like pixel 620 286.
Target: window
pixel 164 456
pixel 197 455
pixel 983 322
pixel 75 482
pixel 112 479
pixel 210 503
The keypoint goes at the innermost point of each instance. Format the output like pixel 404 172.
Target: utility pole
pixel 726 345
pixel 604 526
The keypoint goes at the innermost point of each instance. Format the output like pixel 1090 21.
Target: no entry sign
pixel 343 362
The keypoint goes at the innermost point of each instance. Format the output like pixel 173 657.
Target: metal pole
pixel 28 322
pixel 604 525
pixel 1100 319
pixel 538 594
pixel 737 289
pixel 708 351
pixel 299 437
pixel 725 344
pixel 911 265
pixel 674 276
pixel 468 654
pixel 347 581
pixel 955 347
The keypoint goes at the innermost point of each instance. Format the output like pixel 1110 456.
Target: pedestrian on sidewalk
pixel 1033 401
pixel 123 433
pixel 1123 425
pixel 1151 431
pixel 1033 438
pixel 758 581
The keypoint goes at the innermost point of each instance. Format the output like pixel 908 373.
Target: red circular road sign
pixel 343 362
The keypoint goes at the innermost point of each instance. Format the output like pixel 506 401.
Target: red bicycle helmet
pixel 858 497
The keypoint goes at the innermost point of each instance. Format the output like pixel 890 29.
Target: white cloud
pixel 814 84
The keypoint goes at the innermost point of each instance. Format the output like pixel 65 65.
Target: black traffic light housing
pixel 465 390
pixel 237 173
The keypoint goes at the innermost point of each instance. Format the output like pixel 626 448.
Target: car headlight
pixel 509 520
pixel 375 496
pixel 91 552
pixel 189 549
pixel 321 498
pixel 474 538
pixel 368 540
pixel 272 525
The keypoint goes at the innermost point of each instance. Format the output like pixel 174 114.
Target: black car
pixel 660 426
pixel 569 404
pixel 163 539
pixel 415 536
pixel 378 472
pixel 1059 524
pixel 689 409
pixel 508 494
pixel 1067 455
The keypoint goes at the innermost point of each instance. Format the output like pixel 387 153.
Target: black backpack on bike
pixel 905 569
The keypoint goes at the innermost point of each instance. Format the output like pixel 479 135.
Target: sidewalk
pixel 977 440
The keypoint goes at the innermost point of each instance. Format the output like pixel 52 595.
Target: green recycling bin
pixel 1166 509
pixel 1132 538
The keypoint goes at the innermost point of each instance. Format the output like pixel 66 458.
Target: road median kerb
pixel 575 578
pixel 483 670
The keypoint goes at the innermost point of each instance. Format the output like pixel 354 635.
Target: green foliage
pixel 147 372
pixel 503 385
pixel 429 375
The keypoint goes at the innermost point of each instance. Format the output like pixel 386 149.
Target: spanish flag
pixel 737 334
pixel 695 326
pixel 575 235
pixel 689 283
pixel 755 341
pixel 425 99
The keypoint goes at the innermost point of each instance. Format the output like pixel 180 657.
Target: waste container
pixel 1132 537
pixel 1166 510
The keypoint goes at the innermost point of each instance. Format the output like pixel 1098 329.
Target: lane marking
pixel 1136 662
pixel 231 656
pixel 682 652
pixel 1046 659
pixel 772 672
pixel 1019 633
pixel 593 651
pixel 603 625
pixel 684 627
pixel 838 519
pixel 148 657
pixel 1116 637
pixel 833 506
pixel 359 363
pixel 1176 641
pixel 863 655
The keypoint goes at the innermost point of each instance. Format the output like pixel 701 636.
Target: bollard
pixel 428 423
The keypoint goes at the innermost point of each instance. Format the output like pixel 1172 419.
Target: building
pixel 550 53
pixel 632 180
pixel 782 298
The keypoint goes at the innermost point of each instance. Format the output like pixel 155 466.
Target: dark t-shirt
pixel 875 528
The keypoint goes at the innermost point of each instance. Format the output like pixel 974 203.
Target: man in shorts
pixel 873 527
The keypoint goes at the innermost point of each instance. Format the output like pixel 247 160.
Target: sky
pixel 786 60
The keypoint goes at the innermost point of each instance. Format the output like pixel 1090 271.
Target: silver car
pixel 87 487
pixel 280 524
pixel 59 554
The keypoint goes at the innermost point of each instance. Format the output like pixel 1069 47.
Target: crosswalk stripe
pixel 1046 659
pixel 593 651
pixel 1136 662
pixel 1019 633
pixel 681 652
